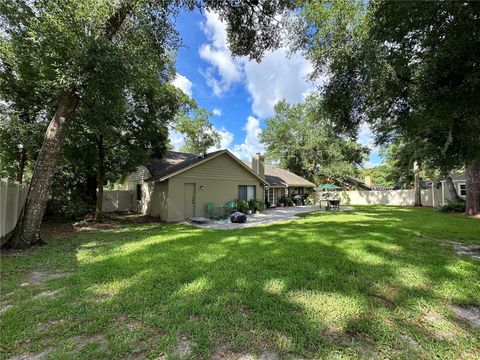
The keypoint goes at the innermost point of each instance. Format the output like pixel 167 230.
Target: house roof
pixel 174 163
pixel 361 184
pixel 277 176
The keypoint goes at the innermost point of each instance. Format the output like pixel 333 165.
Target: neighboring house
pixel 366 184
pixel 180 185
pixel 441 193
pixel 281 183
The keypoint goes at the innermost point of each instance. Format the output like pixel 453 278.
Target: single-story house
pixel 180 185
pixel 281 182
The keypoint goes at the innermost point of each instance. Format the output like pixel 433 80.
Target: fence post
pixel 3 207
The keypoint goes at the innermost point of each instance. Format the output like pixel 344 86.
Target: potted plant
pixel 282 201
pixel 242 206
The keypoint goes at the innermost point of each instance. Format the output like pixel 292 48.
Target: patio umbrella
pixel 328 186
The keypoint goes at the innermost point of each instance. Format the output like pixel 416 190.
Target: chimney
pixel 368 180
pixel 258 165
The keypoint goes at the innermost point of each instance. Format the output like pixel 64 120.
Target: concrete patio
pixel 268 216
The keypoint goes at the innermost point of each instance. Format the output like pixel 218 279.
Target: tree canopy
pixel 302 138
pixel 409 69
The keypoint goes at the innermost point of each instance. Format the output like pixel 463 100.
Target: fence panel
pixel 12 199
pixel 117 200
pixel 389 197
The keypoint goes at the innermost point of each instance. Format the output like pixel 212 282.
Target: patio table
pixel 330 204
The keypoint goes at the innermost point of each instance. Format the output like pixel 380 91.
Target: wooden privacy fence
pixel 394 197
pixel 12 199
pixel 117 200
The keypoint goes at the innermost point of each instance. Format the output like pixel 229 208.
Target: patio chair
pixel 211 210
pixel 230 207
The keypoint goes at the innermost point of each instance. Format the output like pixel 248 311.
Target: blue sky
pixel 240 93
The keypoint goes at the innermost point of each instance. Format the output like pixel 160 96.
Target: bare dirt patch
pixel 38 356
pixel 436 325
pixel 224 352
pixel 469 315
pixel 472 251
pixel 39 277
pixel 49 324
pixel 83 341
pixel 47 294
pixel 184 347
pixel 4 306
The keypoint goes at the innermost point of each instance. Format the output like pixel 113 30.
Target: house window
pixel 139 192
pixel 246 192
pixel 462 190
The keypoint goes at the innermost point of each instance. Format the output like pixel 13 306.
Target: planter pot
pixel 249 212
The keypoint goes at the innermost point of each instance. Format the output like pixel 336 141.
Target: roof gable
pixel 175 163
pixel 277 176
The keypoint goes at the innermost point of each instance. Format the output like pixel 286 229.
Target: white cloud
pixel 176 139
pixel 224 70
pixel 217 112
pixel 251 144
pixel 226 139
pixel 277 77
pixel 183 84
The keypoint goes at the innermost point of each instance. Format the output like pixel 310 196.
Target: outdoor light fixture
pixel 202 187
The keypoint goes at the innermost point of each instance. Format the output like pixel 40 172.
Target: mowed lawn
pixel 374 282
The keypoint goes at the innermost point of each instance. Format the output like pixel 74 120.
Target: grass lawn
pixel 374 282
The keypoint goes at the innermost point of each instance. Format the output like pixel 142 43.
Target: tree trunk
pixel 472 175
pixel 418 194
pixel 100 178
pixel 28 226
pixel 21 164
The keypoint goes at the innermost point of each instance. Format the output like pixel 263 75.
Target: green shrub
pixel 259 205
pixel 309 200
pixel 345 198
pixel 289 202
pixel 242 205
pixel 452 206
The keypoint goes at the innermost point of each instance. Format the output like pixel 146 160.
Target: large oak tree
pixel 68 37
pixel 410 69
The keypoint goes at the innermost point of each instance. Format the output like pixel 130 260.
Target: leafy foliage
pixel 303 140
pixel 409 69
pixel 453 206
pixel 200 135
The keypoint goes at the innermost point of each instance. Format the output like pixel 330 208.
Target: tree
pixel 68 37
pixel 200 135
pixel 409 69
pixel 303 140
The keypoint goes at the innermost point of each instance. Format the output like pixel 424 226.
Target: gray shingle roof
pixel 277 176
pixel 173 161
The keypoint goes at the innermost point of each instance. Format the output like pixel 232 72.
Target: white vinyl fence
pixel 12 199
pixel 117 200
pixel 394 197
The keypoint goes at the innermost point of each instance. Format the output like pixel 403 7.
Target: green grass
pixel 375 282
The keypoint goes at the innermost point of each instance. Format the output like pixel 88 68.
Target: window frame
pixel 246 192
pixel 462 187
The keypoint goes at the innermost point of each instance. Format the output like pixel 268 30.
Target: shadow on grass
pixel 286 287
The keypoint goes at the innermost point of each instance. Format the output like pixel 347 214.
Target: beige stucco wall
pixel 219 177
